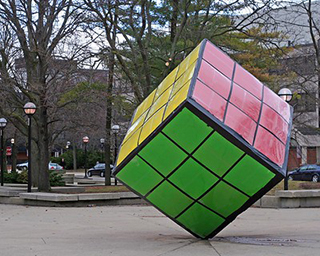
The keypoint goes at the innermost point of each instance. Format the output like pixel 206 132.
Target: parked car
pixel 309 172
pixel 54 166
pixel 98 169
pixel 51 166
pixel 22 166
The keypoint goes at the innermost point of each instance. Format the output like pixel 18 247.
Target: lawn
pixel 106 189
pixel 295 185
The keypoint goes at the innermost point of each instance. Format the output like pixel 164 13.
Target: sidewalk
pixel 143 231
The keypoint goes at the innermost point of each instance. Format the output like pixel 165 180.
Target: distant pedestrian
pixel 63 163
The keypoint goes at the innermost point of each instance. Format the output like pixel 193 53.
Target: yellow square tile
pixel 151 124
pixel 177 99
pixel 167 82
pixel 183 79
pixel 161 101
pixel 135 126
pixel 128 146
pixel 185 64
pixel 145 105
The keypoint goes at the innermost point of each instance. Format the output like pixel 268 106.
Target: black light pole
pixel 286 95
pixel 102 148
pixel 29 109
pixel 3 124
pixel 85 140
pixel 115 128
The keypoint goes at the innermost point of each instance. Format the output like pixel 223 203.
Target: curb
pixel 10 196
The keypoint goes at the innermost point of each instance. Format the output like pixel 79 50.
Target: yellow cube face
pixel 158 106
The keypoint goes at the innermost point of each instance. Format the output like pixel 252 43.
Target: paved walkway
pixel 143 231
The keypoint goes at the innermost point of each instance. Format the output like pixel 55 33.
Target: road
pixel 96 178
pixel 143 231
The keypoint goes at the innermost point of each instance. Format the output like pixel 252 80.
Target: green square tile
pixel 200 220
pixel 163 154
pixel 218 154
pixel 187 130
pixel 139 176
pixel 224 199
pixel 168 199
pixel 192 178
pixel 249 175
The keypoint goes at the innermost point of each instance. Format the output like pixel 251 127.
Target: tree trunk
pixel 111 63
pixel 43 143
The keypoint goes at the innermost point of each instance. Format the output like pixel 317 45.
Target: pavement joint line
pixel 214 248
pixel 178 248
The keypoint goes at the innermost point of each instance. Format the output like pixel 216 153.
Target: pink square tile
pixel 209 99
pixel 214 79
pixel 278 104
pixel 241 123
pixel 248 81
pixel 218 59
pixel 270 146
pixel 271 120
pixel 246 102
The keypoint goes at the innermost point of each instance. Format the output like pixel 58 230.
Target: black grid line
pixel 259 118
pixel 197 68
pixel 190 155
pixel 228 100
pixel 230 135
pixel 184 160
pixel 176 79
pixel 256 122
pixel 166 179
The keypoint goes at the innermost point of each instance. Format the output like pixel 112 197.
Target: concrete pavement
pixel 143 231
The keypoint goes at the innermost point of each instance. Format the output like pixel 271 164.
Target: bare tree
pixel 38 28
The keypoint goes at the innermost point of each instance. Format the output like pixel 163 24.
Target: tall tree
pixel 38 29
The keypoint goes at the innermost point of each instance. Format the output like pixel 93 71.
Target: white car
pixel 22 166
pixel 51 166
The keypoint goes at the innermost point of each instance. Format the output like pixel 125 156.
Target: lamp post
pixel 85 140
pixel 286 95
pixel 3 124
pixel 29 109
pixel 115 128
pixel 102 148
pixel 68 145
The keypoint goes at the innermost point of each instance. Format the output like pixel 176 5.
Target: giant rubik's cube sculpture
pixel 206 143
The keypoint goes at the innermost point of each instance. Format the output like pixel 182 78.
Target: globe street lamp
pixel 3 124
pixel 85 140
pixel 68 144
pixel 29 109
pixel 115 128
pixel 102 140
pixel 286 95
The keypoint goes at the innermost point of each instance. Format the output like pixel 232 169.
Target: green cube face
pixel 194 175
pixel 207 143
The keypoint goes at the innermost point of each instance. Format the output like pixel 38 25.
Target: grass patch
pixel 295 185
pixel 106 189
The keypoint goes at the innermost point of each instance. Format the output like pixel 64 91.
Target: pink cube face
pixel 238 100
